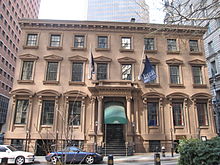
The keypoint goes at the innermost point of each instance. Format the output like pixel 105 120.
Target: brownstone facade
pixel 53 98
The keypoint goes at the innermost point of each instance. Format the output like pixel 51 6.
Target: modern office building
pixel 211 39
pixel 10 12
pixel 54 102
pixel 118 10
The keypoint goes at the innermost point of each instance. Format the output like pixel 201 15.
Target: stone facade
pixel 48 100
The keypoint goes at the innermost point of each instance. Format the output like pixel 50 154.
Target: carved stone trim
pixel 78 58
pixel 102 59
pixel 28 57
pixel 53 58
pixel 174 61
pixel 197 62
pixel 126 60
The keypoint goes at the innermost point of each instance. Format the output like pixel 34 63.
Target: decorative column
pixel 39 112
pixel 161 116
pixel 187 116
pixel 12 113
pixel 196 126
pixel 100 115
pixel 57 112
pixel 92 116
pixel 129 126
pixel 83 115
pixel 136 120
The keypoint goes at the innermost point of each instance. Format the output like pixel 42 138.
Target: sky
pixel 77 10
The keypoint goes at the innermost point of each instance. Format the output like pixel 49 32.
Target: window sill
pixel 150 51
pixel 152 85
pixel 126 50
pixel 76 83
pixel 204 127
pixel 199 86
pixel 195 53
pixel 51 82
pixel 19 125
pixel 179 127
pixel 25 81
pixel 54 48
pixel 176 86
pixel 153 127
pixel 173 52
pixel 30 47
pixel 102 49
pixel 46 126
pixel 74 126
pixel 78 49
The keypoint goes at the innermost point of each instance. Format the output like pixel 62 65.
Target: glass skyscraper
pixel 118 10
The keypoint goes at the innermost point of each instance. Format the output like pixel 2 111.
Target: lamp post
pixel 96 126
pixel 26 140
pixel 133 130
pixel 57 132
pixel 171 132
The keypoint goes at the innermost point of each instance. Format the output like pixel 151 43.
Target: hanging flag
pixel 148 73
pixel 91 66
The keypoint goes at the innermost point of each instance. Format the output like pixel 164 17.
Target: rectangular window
pixel 126 70
pixel 126 42
pixel 17 143
pixel 197 75
pixel 55 40
pixel 149 44
pixel 210 47
pixel 171 45
pixel 77 71
pixel 213 68
pixel 177 114
pixel 31 40
pixel 174 74
pixel 102 71
pixel 52 68
pixel 152 110
pixel 193 45
pixel 74 112
pixel 27 70
pixel 202 114
pixel 102 42
pixel 47 112
pixel 79 41
pixel 21 111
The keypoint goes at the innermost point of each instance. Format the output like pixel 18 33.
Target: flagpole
pixel 90 71
pixel 139 75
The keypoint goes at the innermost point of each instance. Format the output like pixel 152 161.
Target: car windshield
pixel 72 148
pixel 12 148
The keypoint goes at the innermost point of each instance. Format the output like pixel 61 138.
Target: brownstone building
pixel 54 102
pixel 10 12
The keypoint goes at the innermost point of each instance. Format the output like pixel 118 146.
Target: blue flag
pixel 148 73
pixel 91 66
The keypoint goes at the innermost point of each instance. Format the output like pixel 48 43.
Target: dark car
pixel 73 155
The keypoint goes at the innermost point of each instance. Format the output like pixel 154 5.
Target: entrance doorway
pixel 114 133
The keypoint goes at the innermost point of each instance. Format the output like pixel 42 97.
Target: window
pixel 77 71
pixel 210 47
pixel 31 40
pixel 213 68
pixel 202 114
pixel 197 74
pixel 21 111
pixel 193 45
pixel 126 70
pixel 102 71
pixel 55 40
pixel 27 70
pixel 152 111
pixel 47 112
pixel 17 143
pixel 3 149
pixel 174 74
pixel 79 41
pixel 177 114
pixel 52 68
pixel 171 45
pixel 149 44
pixel 74 112
pixel 102 42
pixel 126 42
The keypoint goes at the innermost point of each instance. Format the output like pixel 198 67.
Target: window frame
pixel 26 46
pixel 84 45
pixel 107 70
pixel 181 114
pixel 157 113
pixel 201 75
pixel 154 44
pixel 131 43
pixel 82 73
pixel 177 46
pixel 192 46
pixel 22 112
pixel 42 112
pixel 80 113
pixel 60 42
pixel 132 71
pixel 206 113
pixel 179 77
pixel 57 70
pixel 22 70
pixel 108 42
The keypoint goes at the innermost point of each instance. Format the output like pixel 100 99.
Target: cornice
pixel 102 59
pixel 53 58
pixel 77 58
pixel 197 62
pixel 174 61
pixel 126 60
pixel 110 26
pixel 28 57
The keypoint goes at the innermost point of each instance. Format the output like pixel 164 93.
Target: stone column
pixel 12 113
pixel 40 101
pixel 92 116
pixel 100 115
pixel 83 115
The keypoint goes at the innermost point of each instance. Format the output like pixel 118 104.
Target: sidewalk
pixel 137 157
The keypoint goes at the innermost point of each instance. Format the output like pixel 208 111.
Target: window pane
pixel 77 71
pixel 197 74
pixel 52 71
pixel 31 40
pixel 193 45
pixel 21 111
pixel 17 143
pixel 126 42
pixel 152 109
pixel 177 114
pixel 149 43
pixel 174 74
pixel 126 72
pixel 102 42
pixel 27 70
pixel 171 44
pixel 47 112
pixel 101 71
pixel 55 40
pixel 202 114
pixel 74 112
pixel 79 41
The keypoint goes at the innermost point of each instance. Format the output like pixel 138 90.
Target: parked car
pixel 73 154
pixel 14 156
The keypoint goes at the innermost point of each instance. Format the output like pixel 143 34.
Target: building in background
pixel 204 13
pixel 54 102
pixel 10 12
pixel 118 10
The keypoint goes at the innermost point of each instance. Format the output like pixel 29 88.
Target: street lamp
pixel 96 126
pixel 133 130
pixel 26 140
pixel 171 132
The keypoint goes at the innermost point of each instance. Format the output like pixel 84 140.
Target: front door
pixel 114 132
